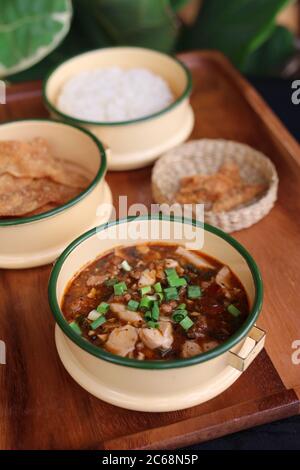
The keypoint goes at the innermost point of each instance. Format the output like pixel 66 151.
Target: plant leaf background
pixel 30 30
pixel 244 30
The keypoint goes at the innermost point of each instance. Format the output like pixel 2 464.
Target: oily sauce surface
pixel 212 321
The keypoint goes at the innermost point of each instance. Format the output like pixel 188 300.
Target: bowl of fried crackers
pixel 236 184
pixel 51 187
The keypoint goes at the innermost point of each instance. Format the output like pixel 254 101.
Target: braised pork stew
pixel 155 302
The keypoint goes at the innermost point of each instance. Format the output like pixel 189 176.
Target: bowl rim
pixel 82 195
pixel 69 118
pixel 157 365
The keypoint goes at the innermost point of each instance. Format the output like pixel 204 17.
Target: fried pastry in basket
pixel 221 191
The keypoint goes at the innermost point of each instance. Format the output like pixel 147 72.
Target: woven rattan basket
pixel 206 156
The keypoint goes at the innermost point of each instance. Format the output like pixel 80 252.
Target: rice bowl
pixel 134 143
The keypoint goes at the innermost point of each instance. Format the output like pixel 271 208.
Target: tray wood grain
pixel 41 407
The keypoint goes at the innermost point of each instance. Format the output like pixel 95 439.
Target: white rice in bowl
pixel 114 94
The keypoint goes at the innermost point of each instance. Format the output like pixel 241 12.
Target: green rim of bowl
pixel 57 210
pixel 69 118
pixel 102 354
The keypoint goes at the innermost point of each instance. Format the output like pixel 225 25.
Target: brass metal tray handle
pixel 241 363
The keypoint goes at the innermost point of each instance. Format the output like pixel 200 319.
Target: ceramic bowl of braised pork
pixel 156 325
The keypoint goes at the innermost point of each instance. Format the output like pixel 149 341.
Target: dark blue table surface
pixel 285 434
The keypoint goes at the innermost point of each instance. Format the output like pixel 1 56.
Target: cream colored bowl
pixel 156 385
pixel 138 142
pixel 39 239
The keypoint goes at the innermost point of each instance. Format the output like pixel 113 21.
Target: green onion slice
pixel 133 305
pixel 98 322
pixel 120 288
pixel 194 292
pixel 177 281
pixel 155 311
pixel 146 302
pixel 93 315
pixel 179 315
pixel 152 324
pixel 171 293
pixel 145 290
pixel 148 315
pixel 233 310
pixel 103 308
pixel 170 272
pixel 126 266
pixel 186 323
pixel 157 287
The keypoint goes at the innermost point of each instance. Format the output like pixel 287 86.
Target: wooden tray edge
pixel 255 101
pixel 211 426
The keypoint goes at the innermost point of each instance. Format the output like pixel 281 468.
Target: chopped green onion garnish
pixel 146 302
pixel 133 305
pixel 145 290
pixel 160 296
pixel 111 282
pixel 93 315
pixel 177 281
pixel 98 322
pixel 181 306
pixel 157 287
pixel 194 292
pixel 171 272
pixel 179 315
pixel 103 307
pixel 75 327
pixel 151 297
pixel 125 265
pixel 171 293
pixel 148 315
pixel 155 311
pixel 152 324
pixel 186 323
pixel 120 288
pixel 233 310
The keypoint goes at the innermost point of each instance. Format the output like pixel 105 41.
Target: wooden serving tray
pixel 41 407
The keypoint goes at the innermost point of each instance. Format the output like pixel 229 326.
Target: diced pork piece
pixel 144 249
pixel 166 318
pixel 122 340
pixel 171 263
pixel 223 278
pixel 92 294
pixel 210 345
pixel 148 278
pixel 140 356
pixel 96 280
pixel 160 271
pixel 168 307
pixel 199 329
pixel 190 349
pixel 103 337
pixel 118 251
pixel 161 337
pixel 193 258
pixel 125 314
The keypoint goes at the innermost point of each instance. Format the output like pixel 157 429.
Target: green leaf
pixel 178 4
pixel 235 27
pixel 272 55
pixel 30 30
pixel 147 23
